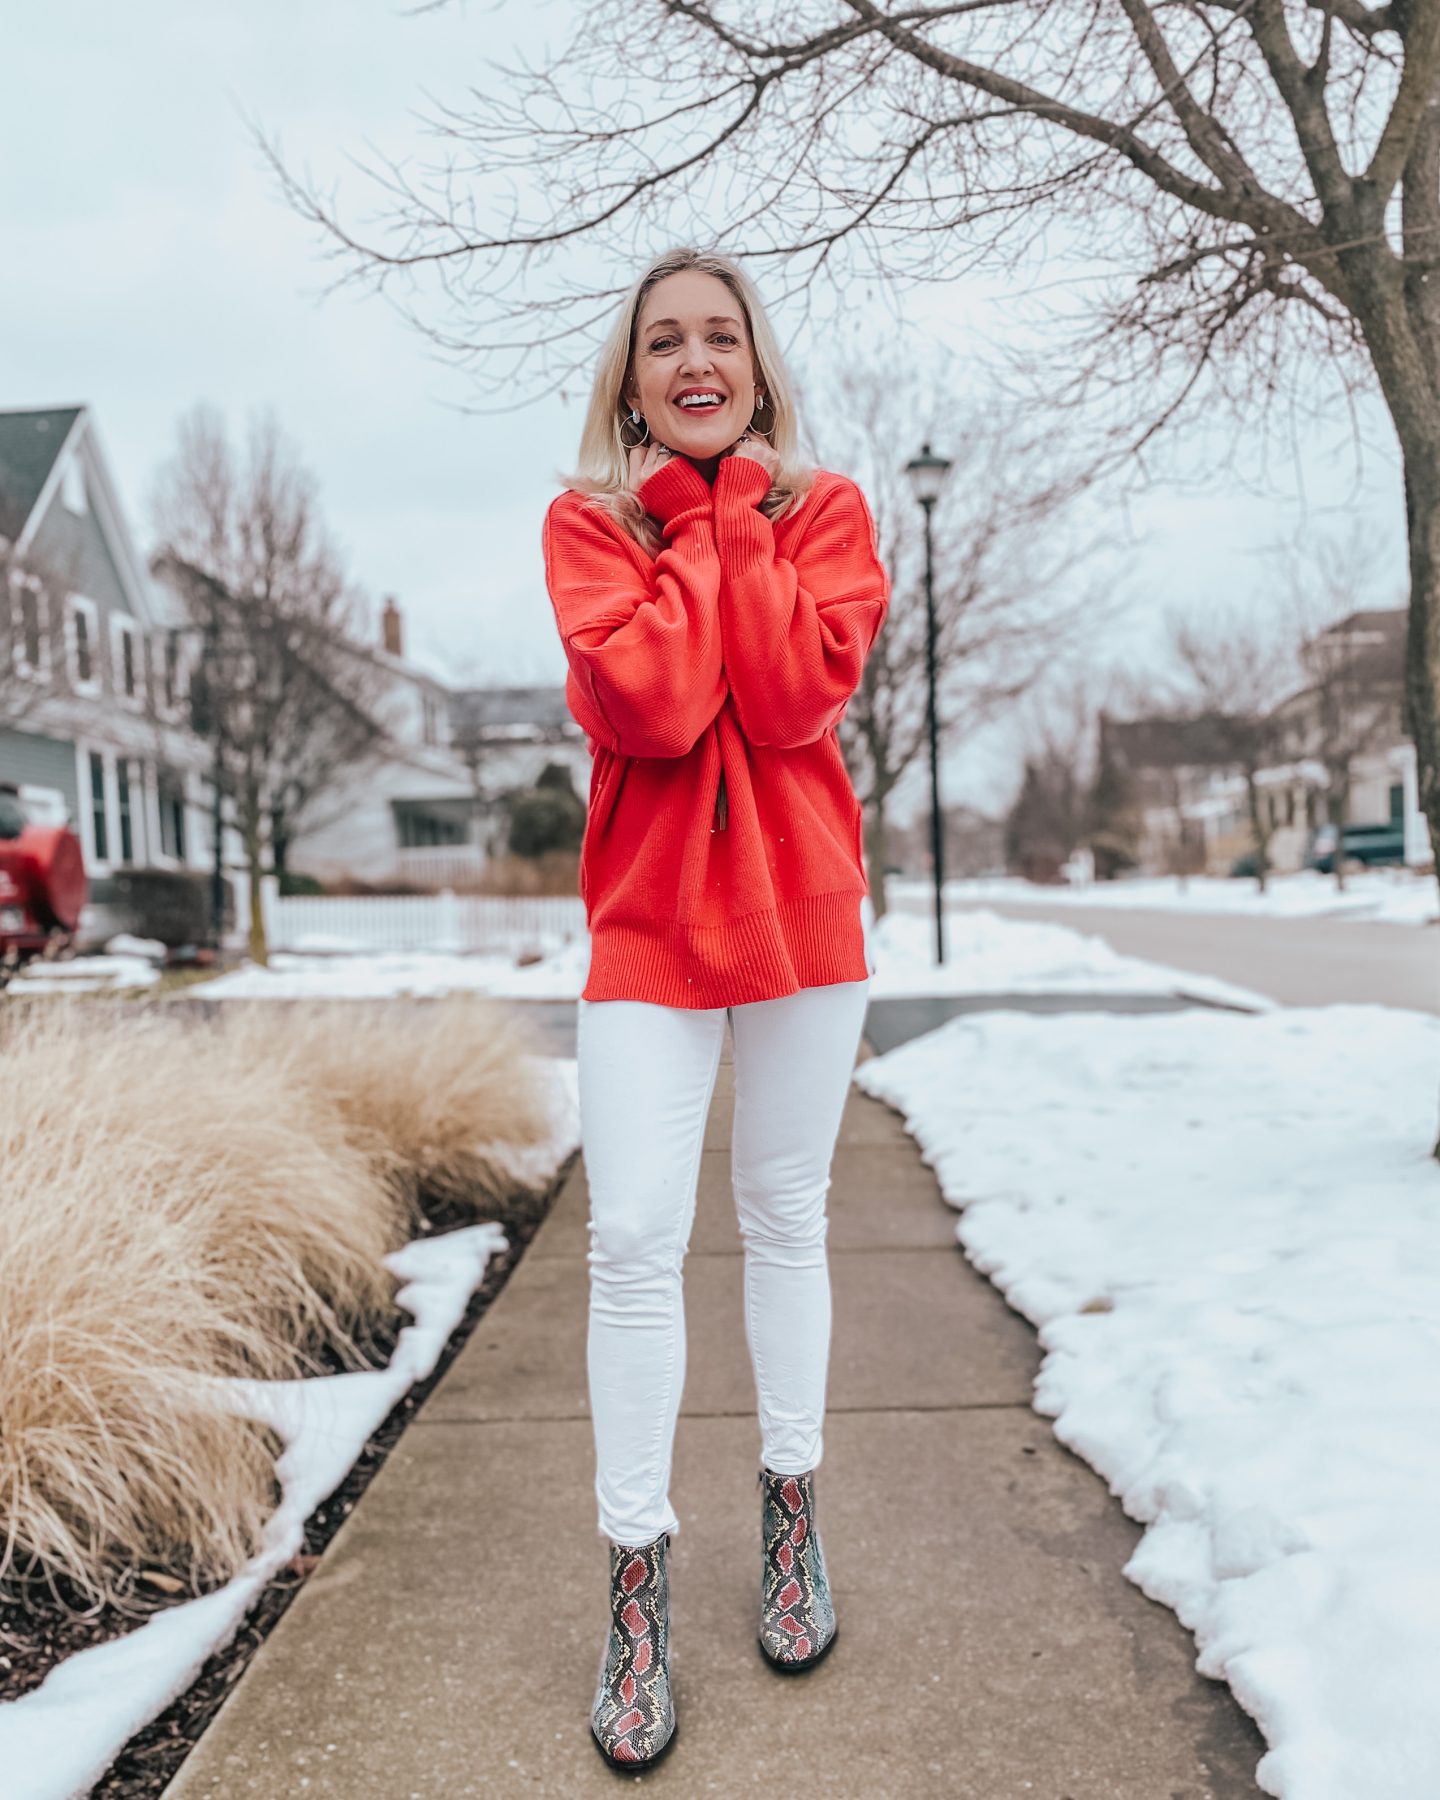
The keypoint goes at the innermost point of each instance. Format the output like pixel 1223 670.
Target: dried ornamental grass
pixel 166 1215
pixel 182 1202
pixel 426 1089
pixel 290 1218
pixel 111 1452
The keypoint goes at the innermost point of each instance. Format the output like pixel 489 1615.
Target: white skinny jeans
pixel 647 1075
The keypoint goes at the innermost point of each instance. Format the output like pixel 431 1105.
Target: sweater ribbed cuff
pixel 676 487
pixel 741 481
pixel 744 536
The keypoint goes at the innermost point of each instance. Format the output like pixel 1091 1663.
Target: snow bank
pixel 1384 896
pixel 984 954
pixel 1228 1233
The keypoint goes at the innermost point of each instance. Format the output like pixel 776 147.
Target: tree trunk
pixel 252 831
pixel 1421 712
pixel 1422 649
pixel 876 850
pixel 1339 809
pixel 1261 836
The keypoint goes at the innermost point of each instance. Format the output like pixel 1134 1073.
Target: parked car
pixel 1365 844
pixel 42 885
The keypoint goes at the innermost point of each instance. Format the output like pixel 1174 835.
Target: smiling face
pixel 692 339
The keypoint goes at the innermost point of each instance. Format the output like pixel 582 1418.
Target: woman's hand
pixel 645 459
pixel 751 444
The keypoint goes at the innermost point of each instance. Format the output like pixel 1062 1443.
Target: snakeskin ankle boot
pixel 633 1718
pixel 797 1615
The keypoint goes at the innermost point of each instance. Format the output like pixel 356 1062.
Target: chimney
pixel 390 634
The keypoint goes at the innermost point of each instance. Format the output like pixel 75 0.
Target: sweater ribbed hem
pixel 810 942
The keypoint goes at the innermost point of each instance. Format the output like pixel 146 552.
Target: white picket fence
pixel 500 924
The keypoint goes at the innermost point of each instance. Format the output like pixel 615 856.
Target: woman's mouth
pixel 705 403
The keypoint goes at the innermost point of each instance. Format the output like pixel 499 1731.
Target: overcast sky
pixel 150 262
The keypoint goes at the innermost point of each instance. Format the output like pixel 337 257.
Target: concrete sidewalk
pixel 990 1648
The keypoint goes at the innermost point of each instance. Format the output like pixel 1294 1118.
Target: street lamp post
pixel 927 474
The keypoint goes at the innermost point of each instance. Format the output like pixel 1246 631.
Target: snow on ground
pixel 85 975
pixel 984 954
pixel 1227 1229
pixel 1385 896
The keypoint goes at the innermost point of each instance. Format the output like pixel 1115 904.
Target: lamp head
pixel 927 474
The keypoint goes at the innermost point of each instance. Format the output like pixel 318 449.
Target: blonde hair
pixel 604 463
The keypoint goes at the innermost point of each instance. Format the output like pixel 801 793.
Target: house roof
pixel 1371 643
pixel 476 711
pixel 30 440
pixel 1168 743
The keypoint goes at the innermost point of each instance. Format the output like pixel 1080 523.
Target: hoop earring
pixel 635 419
pixel 763 430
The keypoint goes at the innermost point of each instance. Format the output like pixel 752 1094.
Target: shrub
pixel 293 882
pixel 170 905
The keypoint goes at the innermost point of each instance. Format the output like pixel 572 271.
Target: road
pixel 1299 962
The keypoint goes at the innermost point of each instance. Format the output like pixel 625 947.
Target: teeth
pixel 696 405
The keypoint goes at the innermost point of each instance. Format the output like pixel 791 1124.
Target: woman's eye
pixel 660 343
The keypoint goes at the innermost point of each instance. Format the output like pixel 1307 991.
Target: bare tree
pixel 1234 669
pixel 1272 168
pixel 1010 593
pixel 1351 697
pixel 1049 817
pixel 284 692
pixel 1294 146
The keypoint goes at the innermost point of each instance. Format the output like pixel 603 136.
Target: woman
pixel 717 599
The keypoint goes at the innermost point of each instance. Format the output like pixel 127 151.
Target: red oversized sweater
pixel 722 860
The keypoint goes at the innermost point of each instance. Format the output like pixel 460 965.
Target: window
pixel 29 615
pixel 97 807
pixel 127 829
pixel 1397 804
pixel 81 616
pixel 173 682
pixel 431 719
pixel 72 487
pixel 126 655
pixel 172 816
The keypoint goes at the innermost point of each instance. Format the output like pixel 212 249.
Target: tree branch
pixel 1304 98
pixel 1417 91
pixel 1204 133
pixel 1262 211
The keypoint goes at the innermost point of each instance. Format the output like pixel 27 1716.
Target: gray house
pixel 93 663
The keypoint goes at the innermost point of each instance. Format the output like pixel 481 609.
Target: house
pixel 1350 710
pixel 93 662
pixel 428 809
pixel 1173 770
pixel 1194 802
